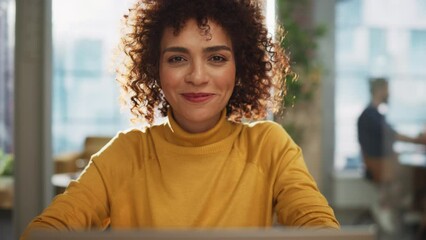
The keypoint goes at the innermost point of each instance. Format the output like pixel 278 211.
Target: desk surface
pixel 414 159
pixel 348 233
pixel 6 192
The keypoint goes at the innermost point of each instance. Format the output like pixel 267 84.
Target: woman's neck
pixel 196 127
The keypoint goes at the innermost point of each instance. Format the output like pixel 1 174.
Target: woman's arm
pixel 298 199
pixel 83 205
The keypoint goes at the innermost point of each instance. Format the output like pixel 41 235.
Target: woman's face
pixel 197 74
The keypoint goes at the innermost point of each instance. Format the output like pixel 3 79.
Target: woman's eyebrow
pixel 207 49
pixel 176 49
pixel 217 48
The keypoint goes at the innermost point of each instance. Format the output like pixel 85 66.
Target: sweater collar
pixel 178 136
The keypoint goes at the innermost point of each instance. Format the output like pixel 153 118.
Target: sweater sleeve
pixel 298 201
pixel 84 205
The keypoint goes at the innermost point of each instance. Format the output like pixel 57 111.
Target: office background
pixel 55 91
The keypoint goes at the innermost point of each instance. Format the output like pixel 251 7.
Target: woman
pixel 205 65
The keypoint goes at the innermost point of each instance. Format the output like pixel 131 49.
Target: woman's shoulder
pixel 265 128
pixel 268 134
pixel 125 142
pixel 131 135
pixel 136 134
pixel 134 137
pixel 272 134
pixel 130 146
pixel 132 132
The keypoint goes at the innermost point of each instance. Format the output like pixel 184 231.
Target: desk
pixel 416 161
pixel 364 232
pixel 6 192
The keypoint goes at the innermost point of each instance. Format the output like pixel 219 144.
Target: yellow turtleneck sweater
pixel 234 175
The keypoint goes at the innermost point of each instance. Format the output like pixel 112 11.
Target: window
pixel 371 44
pixel 417 50
pixel 6 75
pixel 85 93
pixel 349 12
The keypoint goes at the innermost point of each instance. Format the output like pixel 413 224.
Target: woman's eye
pixel 175 59
pixel 218 59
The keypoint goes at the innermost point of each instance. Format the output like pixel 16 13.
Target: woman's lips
pixel 197 97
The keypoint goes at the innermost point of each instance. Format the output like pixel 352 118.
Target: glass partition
pixel 385 41
pixel 369 43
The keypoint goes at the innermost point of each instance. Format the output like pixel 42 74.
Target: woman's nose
pixel 197 74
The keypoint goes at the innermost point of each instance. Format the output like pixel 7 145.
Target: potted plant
pixel 6 180
pixel 6 163
pixel 300 43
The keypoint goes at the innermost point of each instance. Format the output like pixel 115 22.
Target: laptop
pixel 347 233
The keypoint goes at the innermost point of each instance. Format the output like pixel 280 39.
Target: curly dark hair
pixel 261 63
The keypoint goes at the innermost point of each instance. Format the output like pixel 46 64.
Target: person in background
pixel 204 65
pixel 376 138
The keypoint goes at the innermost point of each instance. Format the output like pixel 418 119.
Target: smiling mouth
pixel 197 97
